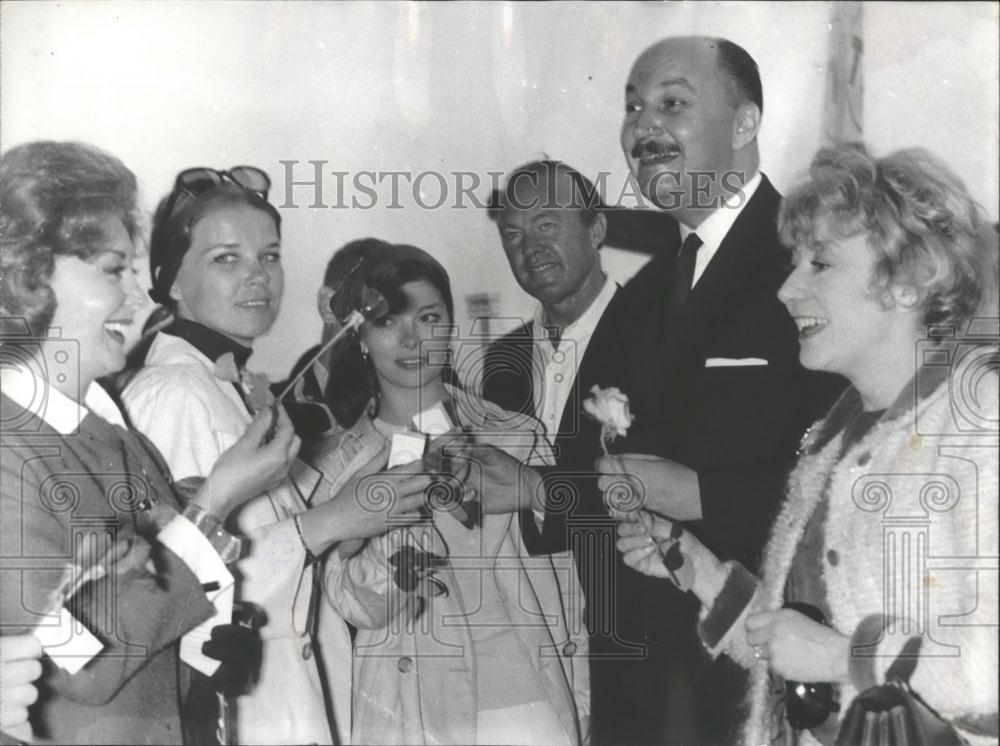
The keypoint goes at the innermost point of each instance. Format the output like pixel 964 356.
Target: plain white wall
pixel 454 87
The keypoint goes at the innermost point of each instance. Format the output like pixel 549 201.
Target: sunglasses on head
pixel 193 182
pixel 808 705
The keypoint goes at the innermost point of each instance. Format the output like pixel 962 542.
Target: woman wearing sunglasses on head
pixel 92 530
pixel 891 510
pixel 215 259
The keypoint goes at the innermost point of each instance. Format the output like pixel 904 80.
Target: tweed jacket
pixel 193 417
pixel 415 681
pixel 911 534
pixel 61 493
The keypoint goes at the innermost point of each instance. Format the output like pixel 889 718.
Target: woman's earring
pixel 364 354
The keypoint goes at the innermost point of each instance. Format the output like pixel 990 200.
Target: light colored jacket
pixel 415 680
pixel 192 417
pixel 911 535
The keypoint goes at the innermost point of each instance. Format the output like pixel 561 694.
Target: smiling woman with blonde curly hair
pixel 894 286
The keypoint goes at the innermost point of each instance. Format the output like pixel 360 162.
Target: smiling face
pixel 552 250
pixel 231 277
pixel 96 301
pixel 844 327
pixel 400 344
pixel 680 119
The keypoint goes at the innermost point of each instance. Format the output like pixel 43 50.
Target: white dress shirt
pixel 714 228
pixel 559 365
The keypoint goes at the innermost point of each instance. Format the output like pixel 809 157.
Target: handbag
pixel 892 714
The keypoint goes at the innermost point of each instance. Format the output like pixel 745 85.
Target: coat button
pixel 832 557
pixel 307 651
pixel 405 664
pixel 569 649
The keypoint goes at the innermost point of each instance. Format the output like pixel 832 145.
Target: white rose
pixel 609 407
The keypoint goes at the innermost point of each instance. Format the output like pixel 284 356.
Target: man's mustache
pixel 654 148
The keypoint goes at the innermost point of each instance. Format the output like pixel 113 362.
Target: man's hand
pixel 797 648
pixel 507 485
pixel 666 487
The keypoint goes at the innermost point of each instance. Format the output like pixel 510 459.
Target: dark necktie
pixel 684 272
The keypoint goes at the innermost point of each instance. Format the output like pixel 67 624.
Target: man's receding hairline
pixel 735 94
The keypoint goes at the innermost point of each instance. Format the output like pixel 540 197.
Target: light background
pixel 455 87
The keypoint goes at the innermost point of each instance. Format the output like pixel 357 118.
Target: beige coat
pixel 193 417
pixel 415 681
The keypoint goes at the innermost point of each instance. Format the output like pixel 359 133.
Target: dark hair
pixel 352 384
pixel 338 269
pixel 172 227
pixel 55 200
pixel 742 74
pixel 586 196
pixel 926 231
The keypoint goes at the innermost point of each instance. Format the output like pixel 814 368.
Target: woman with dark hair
pixel 891 511
pixel 92 529
pixel 215 260
pixel 462 638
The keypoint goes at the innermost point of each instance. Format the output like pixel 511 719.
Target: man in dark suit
pixel 551 234
pixel 709 360
pixel 551 230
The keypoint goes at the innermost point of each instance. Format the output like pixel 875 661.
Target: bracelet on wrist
pixel 229 547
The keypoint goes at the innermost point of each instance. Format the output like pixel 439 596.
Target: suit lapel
pixel 726 277
pixel 511 367
pixel 588 373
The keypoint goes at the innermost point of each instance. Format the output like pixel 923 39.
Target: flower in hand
pixel 610 408
pixel 652 545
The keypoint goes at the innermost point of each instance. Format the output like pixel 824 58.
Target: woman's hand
pixel 637 531
pixel 370 503
pixel 19 666
pixel 797 648
pixel 252 465
pixel 637 543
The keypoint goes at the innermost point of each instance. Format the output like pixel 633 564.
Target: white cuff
pixel 182 538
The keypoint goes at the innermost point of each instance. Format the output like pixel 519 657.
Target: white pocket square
pixel 734 362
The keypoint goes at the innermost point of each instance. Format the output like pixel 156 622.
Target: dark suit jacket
pixel 737 426
pixel 626 661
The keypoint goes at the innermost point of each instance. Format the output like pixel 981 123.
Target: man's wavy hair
pixel 56 199
pixel 926 231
